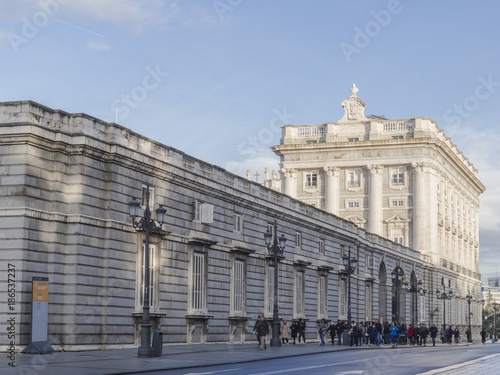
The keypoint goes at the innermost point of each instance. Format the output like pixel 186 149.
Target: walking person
pixel 380 330
pixel 483 336
pixel 373 335
pixel 263 330
pixel 424 332
pixel 449 334
pixel 322 327
pixel 394 334
pixel 410 334
pixel 302 330
pixel 284 332
pixel 339 327
pixel 456 335
pixel 332 331
pixel 387 333
pixel 255 329
pixel 294 329
pixel 433 331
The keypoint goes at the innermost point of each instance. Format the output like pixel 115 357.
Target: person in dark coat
pixel 424 332
pixel 332 331
pixel 380 332
pixel 294 329
pixel 302 330
pixel 263 330
pixel 372 331
pixel 433 331
pixel 255 329
pixel 340 326
pixel 483 336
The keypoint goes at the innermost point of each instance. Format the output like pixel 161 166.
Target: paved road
pixel 475 359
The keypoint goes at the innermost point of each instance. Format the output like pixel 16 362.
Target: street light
pixel 444 296
pixel 350 267
pixel 417 290
pixel 397 277
pixel 469 300
pixel 494 321
pixel 276 248
pixel 147 225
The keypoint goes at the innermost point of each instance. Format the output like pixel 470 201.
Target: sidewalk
pixel 111 362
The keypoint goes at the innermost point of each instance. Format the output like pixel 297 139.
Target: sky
pixel 217 78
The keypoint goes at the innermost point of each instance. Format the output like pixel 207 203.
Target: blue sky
pixel 216 78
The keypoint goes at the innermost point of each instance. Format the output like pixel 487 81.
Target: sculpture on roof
pixel 354 107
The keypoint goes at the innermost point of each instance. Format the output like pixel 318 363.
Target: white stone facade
pixel 65 182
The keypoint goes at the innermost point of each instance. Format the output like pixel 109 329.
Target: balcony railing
pixel 399 126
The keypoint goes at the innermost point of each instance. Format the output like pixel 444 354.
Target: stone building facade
pixel 66 180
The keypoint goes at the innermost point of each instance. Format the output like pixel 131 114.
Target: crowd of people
pixel 364 333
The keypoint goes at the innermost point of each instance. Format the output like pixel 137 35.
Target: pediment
pixel 397 218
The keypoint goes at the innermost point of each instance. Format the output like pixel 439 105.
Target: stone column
pixel 418 207
pixel 290 181
pixel 332 189
pixel 375 199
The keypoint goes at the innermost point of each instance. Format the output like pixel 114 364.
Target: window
pixel 399 240
pixel 343 299
pixel 153 282
pixel 238 295
pixel 354 139
pixel 299 294
pixel 322 297
pixel 151 197
pixel 397 137
pixel 311 180
pixel 353 204
pixel 270 290
pixel 353 178
pixel 238 223
pixel 203 212
pixel 398 176
pixel 397 202
pixel 298 239
pixel 368 302
pixel 198 283
pixel 342 251
pixel 321 247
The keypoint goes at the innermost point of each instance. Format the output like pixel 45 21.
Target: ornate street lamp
pixel 444 296
pixel 350 267
pixel 397 280
pixel 275 246
pixel 417 290
pixel 149 226
pixel 469 300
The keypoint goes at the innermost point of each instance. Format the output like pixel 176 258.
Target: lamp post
pixel 417 290
pixel 494 322
pixel 275 247
pixel 397 277
pixel 350 267
pixel 149 226
pixel 444 296
pixel 469 300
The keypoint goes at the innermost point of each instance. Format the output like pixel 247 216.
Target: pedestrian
pixel 416 334
pixel 284 332
pixel 394 334
pixel 332 331
pixel 424 332
pixel 410 334
pixel 263 330
pixel 359 334
pixel 255 329
pixel 449 334
pixel 322 327
pixel 302 330
pixel 467 335
pixel 433 331
pixel 387 333
pixel 380 330
pixel 294 329
pixel 373 335
pixel 340 326
pixel 352 334
pixel 456 335
pixel 483 336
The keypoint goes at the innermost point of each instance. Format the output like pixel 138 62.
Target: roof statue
pixel 354 107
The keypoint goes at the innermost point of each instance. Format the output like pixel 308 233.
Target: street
pixel 367 361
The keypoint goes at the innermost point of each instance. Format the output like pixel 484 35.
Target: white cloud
pixel 98 46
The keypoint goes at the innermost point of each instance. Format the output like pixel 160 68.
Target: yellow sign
pixel 40 290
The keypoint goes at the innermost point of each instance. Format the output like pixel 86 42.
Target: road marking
pixel 289 370
pixel 212 372
pixel 453 367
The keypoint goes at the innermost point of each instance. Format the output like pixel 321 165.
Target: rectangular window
pixel 368 302
pixel 322 247
pixel 343 299
pixel 398 176
pixel 353 204
pixel 238 223
pixel 399 240
pixel 397 203
pixel 353 178
pixel 198 283
pixel 299 294
pixel 270 290
pixel 397 137
pixel 311 180
pixel 152 277
pixel 238 305
pixel 355 139
pixel 203 212
pixel 298 239
pixel 322 297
